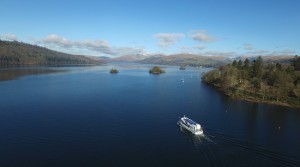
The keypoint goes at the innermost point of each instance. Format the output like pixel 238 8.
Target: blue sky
pixel 115 27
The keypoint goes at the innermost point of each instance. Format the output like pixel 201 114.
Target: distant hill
pixel 19 53
pixel 278 59
pixel 185 59
pixel 99 58
pixel 207 61
pixel 128 58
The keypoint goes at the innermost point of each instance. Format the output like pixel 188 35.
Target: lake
pixel 85 116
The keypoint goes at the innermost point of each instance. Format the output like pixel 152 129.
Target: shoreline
pixel 248 98
pixel 254 100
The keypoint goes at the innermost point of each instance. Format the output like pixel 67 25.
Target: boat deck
pixel 190 121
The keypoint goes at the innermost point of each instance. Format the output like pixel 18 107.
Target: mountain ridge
pixel 19 53
pixel 194 60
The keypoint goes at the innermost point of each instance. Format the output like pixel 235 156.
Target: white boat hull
pixel 196 132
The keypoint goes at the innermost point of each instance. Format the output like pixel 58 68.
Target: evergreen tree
pixel 296 63
pixel 257 68
pixel 278 66
pixel 234 63
pixel 246 63
pixel 240 63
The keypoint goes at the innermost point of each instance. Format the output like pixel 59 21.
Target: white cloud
pixel 257 52
pixel 9 37
pixel 192 49
pixel 248 46
pixel 200 47
pixel 54 39
pixel 201 36
pixel 168 39
pixel 118 51
pixel 93 46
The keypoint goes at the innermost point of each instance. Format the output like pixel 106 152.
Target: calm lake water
pixel 84 116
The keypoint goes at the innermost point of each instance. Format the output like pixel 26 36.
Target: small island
pixel 182 67
pixel 114 71
pixel 156 70
pixel 255 81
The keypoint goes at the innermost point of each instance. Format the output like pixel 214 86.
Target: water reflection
pixel 11 74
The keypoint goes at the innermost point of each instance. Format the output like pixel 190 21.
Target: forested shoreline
pixel 19 53
pixel 255 81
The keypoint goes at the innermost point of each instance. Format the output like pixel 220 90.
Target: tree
pixel 290 70
pixel 296 63
pixel 234 63
pixel 244 74
pixel 256 82
pixel 246 63
pixel 297 91
pixel 212 76
pixel 278 66
pixel 270 74
pixel 257 68
pixel 283 84
pixel 240 63
pixel 229 77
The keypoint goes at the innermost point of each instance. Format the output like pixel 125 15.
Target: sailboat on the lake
pixel 182 79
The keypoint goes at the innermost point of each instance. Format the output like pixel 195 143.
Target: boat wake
pixel 223 150
pixel 282 159
pixel 197 139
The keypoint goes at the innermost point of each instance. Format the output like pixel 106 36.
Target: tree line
pixel 267 82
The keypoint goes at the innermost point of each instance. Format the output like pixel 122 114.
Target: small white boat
pixel 190 125
pixel 182 80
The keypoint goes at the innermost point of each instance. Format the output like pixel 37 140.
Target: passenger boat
pixel 190 125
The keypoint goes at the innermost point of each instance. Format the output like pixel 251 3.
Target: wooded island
pixel 156 70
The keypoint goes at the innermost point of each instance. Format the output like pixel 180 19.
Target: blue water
pixel 85 116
